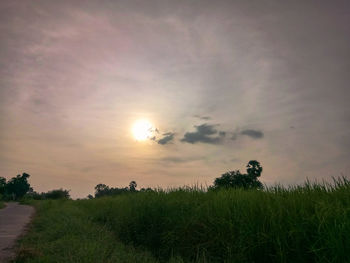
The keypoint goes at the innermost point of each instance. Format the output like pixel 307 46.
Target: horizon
pixel 173 93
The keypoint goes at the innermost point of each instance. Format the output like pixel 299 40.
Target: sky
pixel 222 82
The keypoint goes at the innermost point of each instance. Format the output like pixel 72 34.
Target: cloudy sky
pixel 223 82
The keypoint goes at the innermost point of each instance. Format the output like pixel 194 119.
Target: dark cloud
pixel 222 133
pixel 202 117
pixel 234 136
pixel 203 134
pixel 256 134
pixel 168 137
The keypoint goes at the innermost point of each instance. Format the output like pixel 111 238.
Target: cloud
pixel 222 133
pixel 174 159
pixel 203 134
pixel 168 137
pixel 202 117
pixel 255 134
pixel 234 136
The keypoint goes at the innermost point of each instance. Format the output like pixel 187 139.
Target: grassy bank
pixel 63 232
pixel 300 224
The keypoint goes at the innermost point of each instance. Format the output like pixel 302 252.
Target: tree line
pixel 105 190
pixel 18 187
pixel 231 179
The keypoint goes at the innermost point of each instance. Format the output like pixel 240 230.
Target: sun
pixel 142 130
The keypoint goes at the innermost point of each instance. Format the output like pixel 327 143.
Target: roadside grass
pixel 309 223
pixel 2 204
pixel 63 232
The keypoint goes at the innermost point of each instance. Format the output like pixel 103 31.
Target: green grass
pixel 309 223
pixel 64 232
pixel 2 204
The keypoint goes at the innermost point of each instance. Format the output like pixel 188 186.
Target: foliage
pixel 35 195
pixel 237 180
pixel 62 231
pixel 57 194
pixel 132 186
pixel 254 169
pixel 2 185
pixel 53 194
pixel 308 223
pixel 105 190
pixel 148 189
pixel 16 187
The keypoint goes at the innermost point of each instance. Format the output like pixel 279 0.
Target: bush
pixel 237 180
pixel 53 194
pixel 57 194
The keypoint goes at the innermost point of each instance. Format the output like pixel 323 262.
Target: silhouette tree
pixel 18 186
pixel 101 189
pixel 132 186
pixel 236 179
pixel 57 194
pixel 104 190
pixel 254 168
pixel 2 185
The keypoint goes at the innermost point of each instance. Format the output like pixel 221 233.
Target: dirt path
pixel 13 220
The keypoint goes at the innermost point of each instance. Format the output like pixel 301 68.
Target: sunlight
pixel 142 130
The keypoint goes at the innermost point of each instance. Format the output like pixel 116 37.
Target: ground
pixel 13 220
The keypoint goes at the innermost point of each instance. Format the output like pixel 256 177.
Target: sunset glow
pixel 142 130
pixel 171 93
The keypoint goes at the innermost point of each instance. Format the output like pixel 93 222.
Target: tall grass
pixel 62 232
pixel 309 223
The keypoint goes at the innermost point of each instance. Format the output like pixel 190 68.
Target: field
pixel 309 223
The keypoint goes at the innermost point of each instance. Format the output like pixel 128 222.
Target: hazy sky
pixel 223 82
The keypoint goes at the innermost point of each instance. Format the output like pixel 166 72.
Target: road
pixel 13 220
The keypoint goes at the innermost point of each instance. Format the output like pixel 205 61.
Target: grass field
pixel 309 223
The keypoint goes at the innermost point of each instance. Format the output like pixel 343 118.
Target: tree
pixel 132 186
pixel 101 189
pixel 104 190
pixel 35 195
pixel 236 179
pixel 57 194
pixel 18 186
pixel 254 168
pixel 2 185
